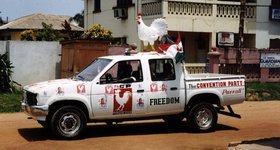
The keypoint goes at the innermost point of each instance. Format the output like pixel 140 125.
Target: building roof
pixel 34 21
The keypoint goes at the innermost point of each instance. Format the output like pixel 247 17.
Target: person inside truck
pixel 168 73
pixel 126 74
pixel 153 70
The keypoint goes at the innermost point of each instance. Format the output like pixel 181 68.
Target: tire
pixel 202 117
pixel 68 122
pixel 174 119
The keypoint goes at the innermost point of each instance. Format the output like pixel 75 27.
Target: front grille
pixel 31 98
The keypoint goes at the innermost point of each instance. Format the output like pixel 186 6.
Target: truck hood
pixel 51 84
pixel 57 88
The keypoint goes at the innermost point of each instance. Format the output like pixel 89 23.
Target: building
pixel 11 30
pixel 198 21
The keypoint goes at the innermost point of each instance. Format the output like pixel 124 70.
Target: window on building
pixel 119 41
pixel 162 69
pixel 274 43
pixel 248 1
pixel 97 6
pixel 124 3
pixel 275 2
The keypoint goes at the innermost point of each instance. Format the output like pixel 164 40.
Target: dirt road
pixel 259 120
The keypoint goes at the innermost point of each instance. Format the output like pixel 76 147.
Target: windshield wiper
pixel 81 77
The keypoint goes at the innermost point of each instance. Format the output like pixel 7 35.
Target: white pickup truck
pixel 129 87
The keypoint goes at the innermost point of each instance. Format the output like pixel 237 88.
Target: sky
pixel 14 9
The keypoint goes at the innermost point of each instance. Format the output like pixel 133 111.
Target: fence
pixel 195 68
pixel 250 65
pixel 208 9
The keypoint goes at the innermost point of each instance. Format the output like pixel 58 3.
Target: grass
pixel 10 102
pixel 263 91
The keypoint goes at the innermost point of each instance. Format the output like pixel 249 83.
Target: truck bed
pixel 211 76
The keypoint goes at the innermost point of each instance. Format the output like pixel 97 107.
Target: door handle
pixel 140 91
pixel 173 88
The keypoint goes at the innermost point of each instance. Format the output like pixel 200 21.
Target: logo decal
pixel 154 87
pixel 81 88
pixel 109 90
pixel 122 101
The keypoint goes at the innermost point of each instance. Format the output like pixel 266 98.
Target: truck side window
pixel 123 72
pixel 162 69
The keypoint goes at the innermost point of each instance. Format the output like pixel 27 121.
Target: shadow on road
pixel 97 130
pixel 34 134
pixel 266 143
pixel 143 129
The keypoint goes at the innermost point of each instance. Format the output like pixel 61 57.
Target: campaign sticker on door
pixel 140 103
pixel 109 90
pixel 153 87
pixel 102 103
pixel 122 101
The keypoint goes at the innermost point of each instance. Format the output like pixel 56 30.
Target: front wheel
pixel 202 117
pixel 68 122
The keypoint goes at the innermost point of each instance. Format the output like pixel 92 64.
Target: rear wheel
pixel 202 117
pixel 68 122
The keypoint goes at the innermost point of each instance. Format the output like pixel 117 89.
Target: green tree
pixel 48 33
pixel 2 22
pixel 79 18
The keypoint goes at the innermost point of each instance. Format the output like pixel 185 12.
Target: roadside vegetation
pixel 262 91
pixel 10 102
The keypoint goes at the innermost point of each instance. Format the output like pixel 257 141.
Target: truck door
pixel 164 91
pixel 120 92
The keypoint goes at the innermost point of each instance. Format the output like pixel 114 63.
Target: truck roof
pixel 140 55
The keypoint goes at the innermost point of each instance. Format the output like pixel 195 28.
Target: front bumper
pixel 36 112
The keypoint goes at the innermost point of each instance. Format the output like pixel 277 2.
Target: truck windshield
pixel 91 71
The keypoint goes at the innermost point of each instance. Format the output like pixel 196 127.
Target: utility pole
pixel 240 37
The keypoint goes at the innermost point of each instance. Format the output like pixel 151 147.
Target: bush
pixel 97 32
pixel 6 84
pixel 47 33
pixel 28 35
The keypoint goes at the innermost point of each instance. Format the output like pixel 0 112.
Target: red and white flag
pixel 174 49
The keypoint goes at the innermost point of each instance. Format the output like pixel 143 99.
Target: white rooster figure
pixel 122 100
pixel 149 34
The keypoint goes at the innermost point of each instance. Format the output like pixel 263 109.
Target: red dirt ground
pixel 259 120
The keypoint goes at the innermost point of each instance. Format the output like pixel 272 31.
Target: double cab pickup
pixel 129 87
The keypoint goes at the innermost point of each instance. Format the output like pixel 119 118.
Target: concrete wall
pixel 266 29
pixel 2 47
pixel 121 28
pixel 33 61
